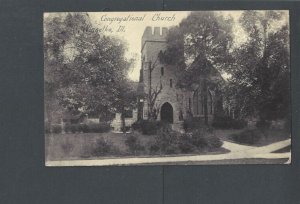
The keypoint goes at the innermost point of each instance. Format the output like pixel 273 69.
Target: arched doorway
pixel 166 113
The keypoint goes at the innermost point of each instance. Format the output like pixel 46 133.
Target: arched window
pixel 198 103
pixel 171 83
pixel 162 71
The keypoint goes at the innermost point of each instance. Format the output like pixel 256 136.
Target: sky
pixel 132 28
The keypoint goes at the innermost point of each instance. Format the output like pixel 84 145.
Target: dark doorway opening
pixel 167 113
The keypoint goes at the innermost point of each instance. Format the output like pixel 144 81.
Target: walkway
pixel 236 152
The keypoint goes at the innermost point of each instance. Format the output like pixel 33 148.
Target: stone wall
pixel 154 41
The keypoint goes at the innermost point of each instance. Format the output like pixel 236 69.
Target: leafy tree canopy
pixel 260 74
pixel 84 69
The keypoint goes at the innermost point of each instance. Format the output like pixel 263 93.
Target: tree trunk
pixel 205 101
pixel 150 92
pixel 123 125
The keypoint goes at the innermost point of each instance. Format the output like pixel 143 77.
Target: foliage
pixel 136 125
pixel 204 34
pixel 84 69
pixel 287 125
pixel 85 128
pixel 88 128
pixel 168 141
pixel 199 48
pixel 192 123
pixel 134 144
pixel 56 128
pixel 260 82
pixel 148 127
pixel 263 124
pixel 71 128
pixel 103 148
pixel 98 128
pixel 202 138
pixel 125 129
pixel 228 123
pixel 248 137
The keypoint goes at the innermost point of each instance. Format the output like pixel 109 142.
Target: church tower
pixel 162 97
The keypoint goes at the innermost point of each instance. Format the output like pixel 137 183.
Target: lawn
pixel 74 146
pixel 80 145
pixel 252 136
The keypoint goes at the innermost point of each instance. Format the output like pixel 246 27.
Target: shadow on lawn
pixel 258 137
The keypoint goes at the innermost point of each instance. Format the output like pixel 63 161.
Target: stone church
pixel 171 104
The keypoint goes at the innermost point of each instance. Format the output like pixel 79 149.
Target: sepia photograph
pixel 167 88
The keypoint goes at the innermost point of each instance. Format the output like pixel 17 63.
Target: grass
pixel 75 146
pixel 253 136
pixel 81 145
pixel 283 150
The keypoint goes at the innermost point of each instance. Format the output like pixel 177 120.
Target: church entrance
pixel 166 113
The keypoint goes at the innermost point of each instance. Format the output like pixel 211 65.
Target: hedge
pixel 148 127
pixel 74 128
pixel 170 142
pixel 228 123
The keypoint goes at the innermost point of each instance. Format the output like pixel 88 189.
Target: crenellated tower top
pixel 156 34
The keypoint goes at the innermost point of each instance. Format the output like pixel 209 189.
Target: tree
pixel 260 76
pixel 153 91
pixel 198 47
pixel 83 67
pixel 125 99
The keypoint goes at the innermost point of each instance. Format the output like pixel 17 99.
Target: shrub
pixel 67 147
pixel 190 124
pixel 238 124
pixel 172 149
pixel 56 129
pixel 134 144
pixel 136 125
pixel 125 129
pixel 287 125
pixel 83 128
pixel 263 124
pixel 97 127
pixel 249 137
pixel 154 148
pixel 201 139
pixel 228 123
pixel 169 142
pixel 213 141
pixel 71 128
pixel 147 127
pixel 165 141
pixel 74 128
pixel 185 143
pixel 86 128
pixel 103 148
